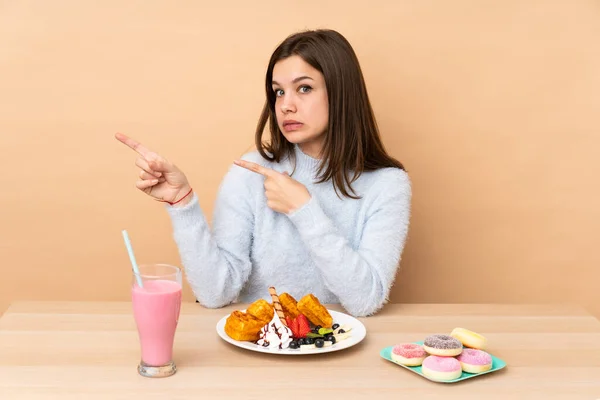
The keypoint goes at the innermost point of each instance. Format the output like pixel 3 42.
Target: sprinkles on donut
pixel 442 345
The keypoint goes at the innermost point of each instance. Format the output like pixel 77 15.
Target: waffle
pixel 262 310
pixel 316 313
pixel 245 326
pixel 289 305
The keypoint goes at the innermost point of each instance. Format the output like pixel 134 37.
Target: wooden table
pixel 78 350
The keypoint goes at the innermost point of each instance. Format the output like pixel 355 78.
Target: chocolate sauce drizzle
pixel 264 331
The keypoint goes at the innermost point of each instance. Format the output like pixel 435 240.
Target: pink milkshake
pixel 156 308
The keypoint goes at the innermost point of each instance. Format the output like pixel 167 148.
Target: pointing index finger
pixel 136 146
pixel 259 169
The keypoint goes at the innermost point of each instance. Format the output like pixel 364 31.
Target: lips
pixel 292 125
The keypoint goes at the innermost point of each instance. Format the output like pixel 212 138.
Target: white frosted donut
pixel 469 338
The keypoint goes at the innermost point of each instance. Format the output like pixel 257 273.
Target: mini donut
pixel 409 354
pixel 442 345
pixel 441 368
pixel 474 361
pixel 469 338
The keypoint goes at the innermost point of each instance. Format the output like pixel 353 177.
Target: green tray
pixel 497 364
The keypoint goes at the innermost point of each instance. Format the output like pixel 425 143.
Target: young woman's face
pixel 301 103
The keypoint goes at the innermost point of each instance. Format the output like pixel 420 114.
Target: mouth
pixel 292 125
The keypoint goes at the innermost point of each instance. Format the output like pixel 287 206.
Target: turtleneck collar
pixel 306 165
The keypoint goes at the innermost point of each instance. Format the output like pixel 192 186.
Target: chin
pixel 295 137
pixel 301 136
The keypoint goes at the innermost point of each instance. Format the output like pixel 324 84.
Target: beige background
pixel 493 106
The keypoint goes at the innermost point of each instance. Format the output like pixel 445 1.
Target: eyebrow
pixel 298 79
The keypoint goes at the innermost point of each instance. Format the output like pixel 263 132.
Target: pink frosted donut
pixel 441 369
pixel 475 361
pixel 409 354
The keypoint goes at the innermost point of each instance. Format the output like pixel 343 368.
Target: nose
pixel 288 104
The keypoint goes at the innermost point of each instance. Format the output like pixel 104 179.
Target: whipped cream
pixel 275 334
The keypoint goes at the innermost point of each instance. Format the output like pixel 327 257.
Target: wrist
pixel 183 198
pixel 301 204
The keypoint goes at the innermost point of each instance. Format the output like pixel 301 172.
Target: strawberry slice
pixel 303 325
pixel 293 325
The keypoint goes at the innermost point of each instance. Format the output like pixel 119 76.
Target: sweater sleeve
pixel 217 263
pixel 361 278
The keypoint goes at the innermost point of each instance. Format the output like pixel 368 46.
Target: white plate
pixel 357 334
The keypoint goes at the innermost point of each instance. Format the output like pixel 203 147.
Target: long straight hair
pixel 352 142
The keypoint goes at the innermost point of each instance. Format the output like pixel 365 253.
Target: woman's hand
pixel 283 193
pixel 158 177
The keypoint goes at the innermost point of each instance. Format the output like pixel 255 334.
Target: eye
pixel 304 89
pixel 278 92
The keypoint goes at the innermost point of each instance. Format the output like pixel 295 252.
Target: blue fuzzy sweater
pixel 342 250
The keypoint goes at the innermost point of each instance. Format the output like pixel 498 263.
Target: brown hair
pixel 352 141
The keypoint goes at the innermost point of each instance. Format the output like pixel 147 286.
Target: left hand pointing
pixel 283 193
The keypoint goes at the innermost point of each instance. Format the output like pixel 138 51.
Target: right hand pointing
pixel 159 178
